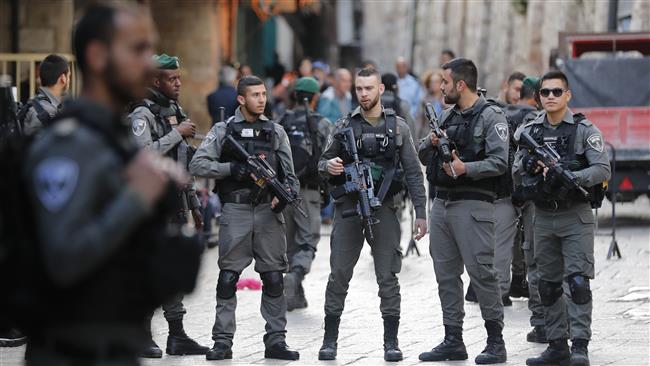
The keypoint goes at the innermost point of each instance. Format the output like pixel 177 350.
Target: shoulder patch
pixel 502 130
pixel 596 142
pixel 55 179
pixel 209 138
pixel 138 126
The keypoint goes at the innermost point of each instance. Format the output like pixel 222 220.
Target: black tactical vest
pixel 562 139
pixel 460 131
pixel 305 144
pixel 257 138
pixel 378 145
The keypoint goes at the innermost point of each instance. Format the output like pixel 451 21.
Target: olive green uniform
pixel 247 231
pixel 347 236
pixel 564 233
pixel 462 221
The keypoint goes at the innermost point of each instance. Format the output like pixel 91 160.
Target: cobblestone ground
pixel 621 318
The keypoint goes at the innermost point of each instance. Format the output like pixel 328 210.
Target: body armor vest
pixel 460 131
pixel 305 144
pixel 257 138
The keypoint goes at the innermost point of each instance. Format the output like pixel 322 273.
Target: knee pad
pixel 549 292
pixel 579 287
pixel 227 284
pixel 273 283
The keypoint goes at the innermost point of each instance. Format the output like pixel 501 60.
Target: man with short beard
pixel 463 213
pixel 249 228
pixel 384 140
pixel 159 123
pixel 94 197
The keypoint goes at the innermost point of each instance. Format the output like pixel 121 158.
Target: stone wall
pixel 500 36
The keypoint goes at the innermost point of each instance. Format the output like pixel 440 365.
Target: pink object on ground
pixel 249 283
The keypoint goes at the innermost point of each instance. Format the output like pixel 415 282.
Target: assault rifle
pixel 443 143
pixel 551 159
pixel 358 182
pixel 266 177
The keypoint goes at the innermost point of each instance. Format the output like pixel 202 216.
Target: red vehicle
pixel 609 75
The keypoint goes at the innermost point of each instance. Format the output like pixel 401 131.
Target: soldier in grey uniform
pixel 307 139
pixel 463 213
pixel 54 73
pixel 91 210
pixel 522 113
pixel 384 140
pixel 158 123
pixel 249 228
pixel 564 224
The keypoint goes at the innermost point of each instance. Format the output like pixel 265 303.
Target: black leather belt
pixel 245 198
pixel 463 196
pixel 555 205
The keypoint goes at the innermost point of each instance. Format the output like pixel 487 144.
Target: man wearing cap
pixel 307 133
pixel 159 123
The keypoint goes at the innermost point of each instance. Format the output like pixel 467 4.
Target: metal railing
pixel 12 64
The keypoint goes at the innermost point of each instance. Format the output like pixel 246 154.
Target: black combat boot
pixel 151 350
pixel 178 343
pixel 328 349
pixel 220 351
pixel 391 345
pixel 452 347
pixel 506 300
pixel 537 335
pixel 280 351
pixel 557 353
pixel 495 350
pixel 518 286
pixel 471 295
pixel 12 338
pixel 294 293
pixel 579 352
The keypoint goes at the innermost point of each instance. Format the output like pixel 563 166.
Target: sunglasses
pixel 556 92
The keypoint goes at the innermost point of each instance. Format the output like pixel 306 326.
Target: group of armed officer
pixel 310 157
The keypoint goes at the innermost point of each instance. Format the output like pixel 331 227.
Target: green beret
pixel 307 84
pixel 166 62
pixel 531 81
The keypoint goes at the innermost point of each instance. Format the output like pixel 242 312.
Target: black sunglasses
pixel 556 92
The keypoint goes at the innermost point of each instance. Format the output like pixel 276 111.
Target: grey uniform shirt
pixel 84 209
pixel 407 156
pixel 589 141
pixel 144 126
pixel 206 161
pixel 32 124
pixel 490 134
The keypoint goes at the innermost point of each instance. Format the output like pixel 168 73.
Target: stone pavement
pixel 620 326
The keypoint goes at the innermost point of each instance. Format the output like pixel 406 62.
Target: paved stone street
pixel 621 310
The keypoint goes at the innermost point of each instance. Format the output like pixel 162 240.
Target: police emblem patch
pixel 502 131
pixel 209 138
pixel 596 142
pixel 138 126
pixel 55 179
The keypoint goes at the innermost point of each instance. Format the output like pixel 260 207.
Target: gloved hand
pixel 530 164
pixel 240 171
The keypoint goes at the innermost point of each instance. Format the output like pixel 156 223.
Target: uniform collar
pixel 568 117
pixel 159 98
pixel 239 116
pixel 46 91
pixel 357 111
pixel 480 102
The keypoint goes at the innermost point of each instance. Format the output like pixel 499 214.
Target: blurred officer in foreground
pixel 159 123
pixel 386 149
pixel 564 220
pixel 54 73
pixel 463 213
pixel 250 229
pixel 95 200
pixel 307 132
